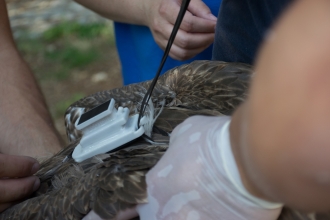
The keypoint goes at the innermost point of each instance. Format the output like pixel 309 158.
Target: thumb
pixel 13 166
pixel 200 9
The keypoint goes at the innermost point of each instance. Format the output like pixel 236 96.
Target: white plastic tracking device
pixel 104 129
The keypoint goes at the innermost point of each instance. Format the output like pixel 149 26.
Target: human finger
pixel 190 23
pixel 183 53
pixel 17 166
pixel 183 39
pixel 201 10
pixel 5 206
pixel 15 189
pixel 193 40
pixel 186 45
pixel 194 24
pixel 180 54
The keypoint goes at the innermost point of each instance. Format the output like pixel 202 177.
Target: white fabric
pixel 198 178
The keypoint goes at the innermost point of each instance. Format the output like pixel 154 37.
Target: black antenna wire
pixel 176 27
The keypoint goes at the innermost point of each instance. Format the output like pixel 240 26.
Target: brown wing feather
pixel 116 183
pixel 113 182
pixel 202 84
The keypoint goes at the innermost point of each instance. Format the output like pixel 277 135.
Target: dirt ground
pixel 70 66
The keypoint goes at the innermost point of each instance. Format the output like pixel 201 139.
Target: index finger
pixel 190 23
pixel 17 166
pixel 194 24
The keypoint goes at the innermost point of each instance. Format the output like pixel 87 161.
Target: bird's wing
pixel 202 84
pixel 113 182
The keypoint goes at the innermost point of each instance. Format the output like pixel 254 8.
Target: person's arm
pixel 26 127
pixel 281 135
pixel 25 124
pixel 195 34
pixel 277 148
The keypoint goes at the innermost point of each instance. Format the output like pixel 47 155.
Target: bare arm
pixel 196 32
pixel 125 11
pixel 283 130
pixel 25 125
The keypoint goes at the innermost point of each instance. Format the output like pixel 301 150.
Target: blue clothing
pixel 241 27
pixel 139 54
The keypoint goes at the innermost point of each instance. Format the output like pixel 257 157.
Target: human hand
pixel 197 178
pixel 196 32
pixel 16 180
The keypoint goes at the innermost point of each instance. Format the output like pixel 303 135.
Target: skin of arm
pixel 281 136
pixel 195 34
pixel 25 124
pixel 26 127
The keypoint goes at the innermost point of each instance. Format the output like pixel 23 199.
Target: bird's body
pixel 114 182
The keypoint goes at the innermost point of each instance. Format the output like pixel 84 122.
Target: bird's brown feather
pixel 113 182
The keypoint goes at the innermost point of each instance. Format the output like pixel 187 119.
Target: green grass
pixel 59 74
pixel 69 29
pixel 66 47
pixel 30 45
pixel 72 57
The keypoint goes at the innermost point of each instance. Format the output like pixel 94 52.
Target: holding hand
pixel 16 180
pixel 197 178
pixel 196 32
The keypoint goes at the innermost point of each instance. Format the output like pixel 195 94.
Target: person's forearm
pixel 25 125
pixel 125 11
pixel 281 135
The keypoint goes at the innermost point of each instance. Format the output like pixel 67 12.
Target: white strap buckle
pixel 104 129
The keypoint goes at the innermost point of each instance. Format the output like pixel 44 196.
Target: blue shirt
pixel 139 54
